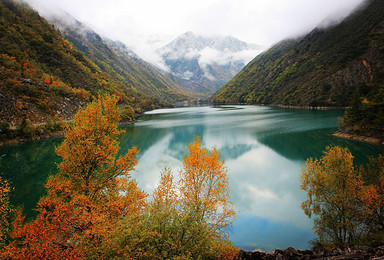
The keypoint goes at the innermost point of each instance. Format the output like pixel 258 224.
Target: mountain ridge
pixel 322 68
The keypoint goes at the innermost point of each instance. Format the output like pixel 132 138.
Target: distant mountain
pixel 204 64
pixel 324 68
pixel 118 61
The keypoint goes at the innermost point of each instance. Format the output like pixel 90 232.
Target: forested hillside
pixel 44 77
pixel 324 68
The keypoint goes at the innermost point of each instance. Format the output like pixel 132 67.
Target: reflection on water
pixel 263 147
pixel 27 167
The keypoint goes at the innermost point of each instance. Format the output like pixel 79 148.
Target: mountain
pixel 204 64
pixel 117 60
pixel 323 68
pixel 45 76
pixel 41 74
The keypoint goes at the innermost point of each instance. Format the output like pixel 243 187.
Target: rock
pixel 305 252
pixel 257 255
pixel 364 249
pixel 27 81
pixel 357 252
pixel 379 252
pixel 279 256
pixel 290 251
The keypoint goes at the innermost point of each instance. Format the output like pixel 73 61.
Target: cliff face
pixel 323 68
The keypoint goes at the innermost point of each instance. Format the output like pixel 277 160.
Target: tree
pixel 355 112
pixel 87 198
pixel 189 218
pixel 5 211
pixel 332 185
pixel 192 217
pixel 128 114
pixel 90 148
pixel 204 188
pixel 93 209
pixel 372 193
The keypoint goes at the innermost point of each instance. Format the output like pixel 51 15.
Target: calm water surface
pixel 264 149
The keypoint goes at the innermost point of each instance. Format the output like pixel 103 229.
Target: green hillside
pixel 43 76
pixel 324 68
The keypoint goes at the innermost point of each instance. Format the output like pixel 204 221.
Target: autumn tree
pixel 192 217
pixel 185 219
pixel 93 209
pixel 86 199
pixel 156 234
pixel 5 211
pixel 204 188
pixel 332 185
pixel 90 148
pixel 372 194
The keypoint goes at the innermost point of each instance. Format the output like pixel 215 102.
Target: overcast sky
pixel 140 22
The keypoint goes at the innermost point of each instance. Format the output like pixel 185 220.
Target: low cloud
pixel 210 56
pixel 147 53
pixel 263 22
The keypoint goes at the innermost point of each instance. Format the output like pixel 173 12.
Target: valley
pixel 215 130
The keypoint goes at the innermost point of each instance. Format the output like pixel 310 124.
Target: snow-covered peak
pixel 228 43
pixel 208 61
pixel 189 45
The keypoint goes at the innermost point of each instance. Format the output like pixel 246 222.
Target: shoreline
pixel 20 140
pixel 354 252
pixel 368 139
pixel 283 106
pixel 310 107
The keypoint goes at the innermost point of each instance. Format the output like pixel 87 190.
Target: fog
pixel 147 25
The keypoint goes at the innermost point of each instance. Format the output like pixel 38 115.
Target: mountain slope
pixel 324 68
pixel 118 61
pixel 204 64
pixel 43 76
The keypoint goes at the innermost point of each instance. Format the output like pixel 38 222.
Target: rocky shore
pixel 19 140
pixel 357 252
pixel 359 137
pixel 60 133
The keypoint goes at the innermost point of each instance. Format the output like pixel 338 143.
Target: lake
pixel 264 149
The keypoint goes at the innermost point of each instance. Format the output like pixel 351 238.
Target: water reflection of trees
pixel 27 167
pixel 299 146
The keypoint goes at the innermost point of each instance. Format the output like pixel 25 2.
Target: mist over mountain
pixel 205 63
pixel 118 60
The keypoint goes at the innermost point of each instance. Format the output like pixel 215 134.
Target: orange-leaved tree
pixel 372 194
pixel 192 217
pixel 332 185
pixel 86 199
pixel 90 147
pixel 5 211
pixel 204 188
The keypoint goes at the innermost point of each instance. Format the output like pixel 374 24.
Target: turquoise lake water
pixel 264 149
